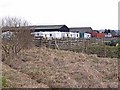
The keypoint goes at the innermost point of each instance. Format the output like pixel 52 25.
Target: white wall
pixel 48 34
pixel 64 34
pixel 108 35
pixel 73 35
pixel 87 35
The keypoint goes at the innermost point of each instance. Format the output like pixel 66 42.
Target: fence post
pixel 104 48
pixel 56 46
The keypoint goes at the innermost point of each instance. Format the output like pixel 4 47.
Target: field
pixel 54 68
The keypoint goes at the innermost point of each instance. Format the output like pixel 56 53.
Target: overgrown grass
pixel 3 82
pixel 103 51
pixel 100 50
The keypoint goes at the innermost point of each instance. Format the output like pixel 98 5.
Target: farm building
pixel 50 31
pixel 57 35
pixel 84 32
pixel 54 31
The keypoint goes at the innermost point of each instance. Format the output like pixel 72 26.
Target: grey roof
pixel 46 26
pixel 81 29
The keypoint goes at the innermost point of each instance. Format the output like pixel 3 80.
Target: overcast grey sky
pixel 98 14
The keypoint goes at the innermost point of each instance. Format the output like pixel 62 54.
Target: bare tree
pixel 19 38
pixel 13 22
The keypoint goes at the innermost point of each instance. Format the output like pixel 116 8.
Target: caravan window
pixel 50 35
pixel 67 35
pixel 38 34
pixel 77 35
pixel 45 35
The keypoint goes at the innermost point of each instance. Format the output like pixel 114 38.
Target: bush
pixel 4 82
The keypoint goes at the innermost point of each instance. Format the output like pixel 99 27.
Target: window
pixel 45 35
pixel 67 35
pixel 50 35
pixel 88 36
pixel 77 35
pixel 37 34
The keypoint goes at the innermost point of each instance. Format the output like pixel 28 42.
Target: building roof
pixel 81 29
pixel 119 32
pixel 46 26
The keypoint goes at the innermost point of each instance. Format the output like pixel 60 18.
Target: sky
pixel 98 14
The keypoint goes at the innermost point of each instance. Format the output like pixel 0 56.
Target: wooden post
pixel 83 43
pixel 104 48
pixel 56 46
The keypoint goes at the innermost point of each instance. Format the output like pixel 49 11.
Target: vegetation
pixel 103 51
pixel 61 69
pixel 100 50
pixel 18 40
pixel 88 47
pixel 4 82
pixel 42 67
pixel 113 43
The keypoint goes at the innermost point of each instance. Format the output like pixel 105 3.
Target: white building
pixel 57 35
pixel 109 35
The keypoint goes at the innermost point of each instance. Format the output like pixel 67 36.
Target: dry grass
pixel 16 79
pixel 58 68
